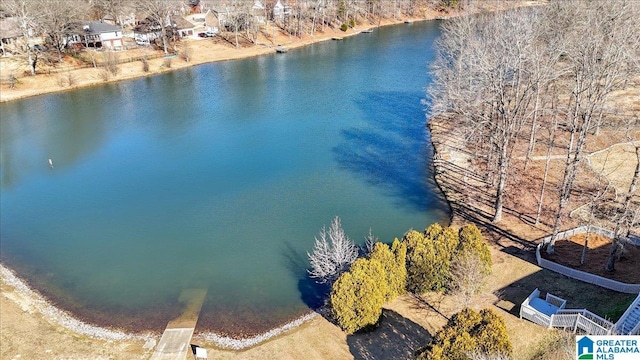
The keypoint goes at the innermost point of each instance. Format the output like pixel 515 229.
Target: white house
pixel 258 12
pixel 146 32
pixel 280 11
pixel 96 34
pixel 182 27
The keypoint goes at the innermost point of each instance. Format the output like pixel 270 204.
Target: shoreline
pixel 204 51
pixel 45 83
pixel 30 301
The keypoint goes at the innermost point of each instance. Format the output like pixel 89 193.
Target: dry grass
pixel 617 163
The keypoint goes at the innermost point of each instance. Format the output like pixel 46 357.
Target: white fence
pixel 581 275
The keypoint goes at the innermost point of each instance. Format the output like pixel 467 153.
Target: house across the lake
pixel 10 36
pixel 182 27
pixel 96 34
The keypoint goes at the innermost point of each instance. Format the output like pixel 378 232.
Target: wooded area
pixel 534 82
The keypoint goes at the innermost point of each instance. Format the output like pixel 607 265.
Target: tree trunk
pixel 502 181
pixel 552 134
pixel 532 135
pixel 163 33
pixel 32 61
pixel 634 181
pixel 611 261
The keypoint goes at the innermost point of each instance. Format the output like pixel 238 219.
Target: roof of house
pixel 181 23
pixel 9 28
pixel 91 28
pixel 147 26
pixel 100 27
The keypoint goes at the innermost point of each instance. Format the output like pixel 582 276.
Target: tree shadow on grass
pixel 394 337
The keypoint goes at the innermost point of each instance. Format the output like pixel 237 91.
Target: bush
pixel 186 52
pixel 393 263
pixel 110 62
pixel 344 27
pixel 67 79
pixel 471 264
pixel 429 258
pixel 469 332
pixel 352 23
pixel 471 240
pixel 104 74
pixel 358 295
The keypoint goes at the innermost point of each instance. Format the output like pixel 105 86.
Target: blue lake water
pixel 217 177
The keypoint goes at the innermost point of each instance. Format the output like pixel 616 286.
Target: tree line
pixel 534 80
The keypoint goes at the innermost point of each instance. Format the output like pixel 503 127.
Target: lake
pixel 217 177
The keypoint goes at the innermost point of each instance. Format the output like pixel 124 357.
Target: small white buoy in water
pixel 50 163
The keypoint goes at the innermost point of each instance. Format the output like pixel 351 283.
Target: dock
pixel 176 339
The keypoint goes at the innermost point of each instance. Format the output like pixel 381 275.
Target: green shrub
pixel 358 295
pixel 393 263
pixel 420 257
pixel 344 27
pixel 352 23
pixel 429 257
pixel 471 239
pixel 469 332
pixel 431 254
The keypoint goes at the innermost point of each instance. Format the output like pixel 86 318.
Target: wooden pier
pixel 176 339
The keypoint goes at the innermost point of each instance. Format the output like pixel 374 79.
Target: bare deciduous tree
pixel 59 20
pixel 369 242
pixel 483 74
pixel 27 14
pixel 467 276
pixel 159 12
pixel 332 254
pixel 598 61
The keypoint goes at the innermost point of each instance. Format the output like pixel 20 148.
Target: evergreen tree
pixel 472 242
pixel 421 256
pixel 393 263
pixel 429 257
pixel 469 332
pixel 399 250
pixel 358 295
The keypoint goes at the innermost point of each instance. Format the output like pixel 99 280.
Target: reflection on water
pixel 217 177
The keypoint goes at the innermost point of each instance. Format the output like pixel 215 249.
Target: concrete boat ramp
pixel 176 339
